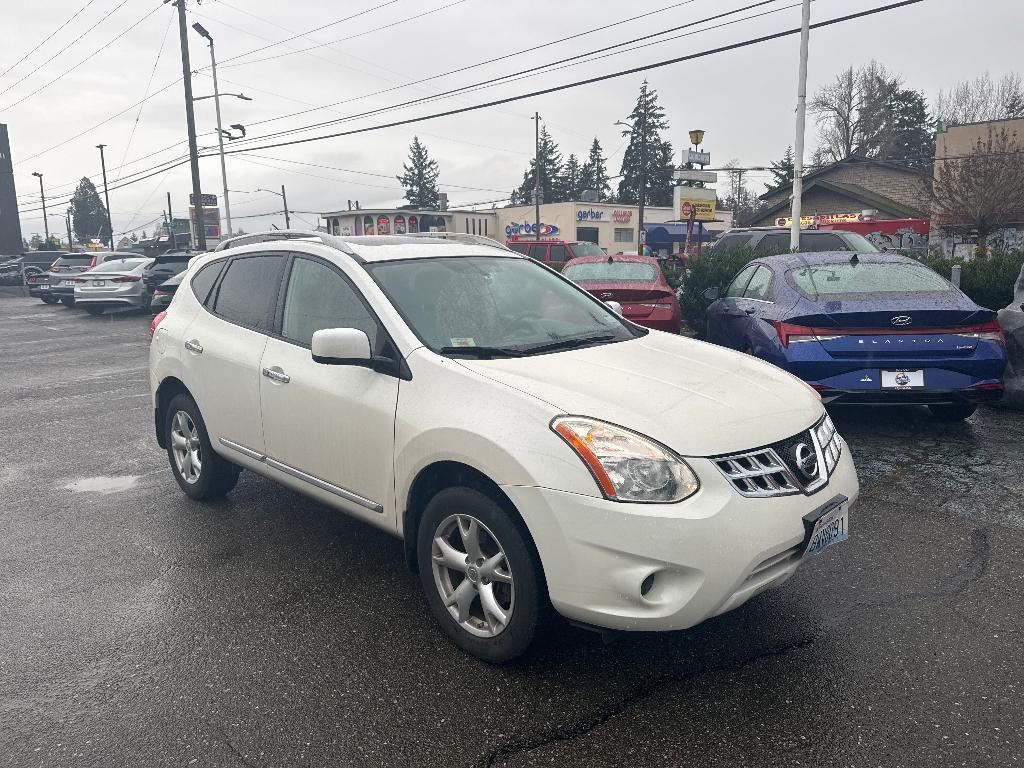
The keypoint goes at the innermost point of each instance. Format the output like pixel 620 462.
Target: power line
pixel 67 72
pixel 46 39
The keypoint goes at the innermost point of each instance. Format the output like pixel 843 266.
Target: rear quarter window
pixel 204 280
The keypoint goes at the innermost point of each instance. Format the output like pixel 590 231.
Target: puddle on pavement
pixel 103 484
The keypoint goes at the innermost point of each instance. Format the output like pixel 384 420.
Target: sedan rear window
pixel 119 265
pixel 819 280
pixel 74 261
pixel 611 272
pixel 587 249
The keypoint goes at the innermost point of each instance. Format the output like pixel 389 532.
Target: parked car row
pixel 108 280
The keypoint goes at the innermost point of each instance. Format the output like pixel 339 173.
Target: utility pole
pixel 287 219
pixel 67 220
pixel 640 239
pixel 536 171
pixel 198 226
pixel 220 132
pixel 801 116
pixel 106 196
pixel 46 224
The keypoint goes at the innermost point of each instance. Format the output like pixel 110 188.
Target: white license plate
pixel 99 282
pixel 828 525
pixel 43 286
pixel 903 379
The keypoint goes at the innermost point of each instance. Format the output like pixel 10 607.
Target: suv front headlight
pixel 627 466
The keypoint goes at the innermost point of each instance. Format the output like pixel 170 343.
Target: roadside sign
pixel 209 201
pixel 708 177
pixel 698 158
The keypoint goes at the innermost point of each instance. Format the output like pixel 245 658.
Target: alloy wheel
pixel 186 447
pixel 472 575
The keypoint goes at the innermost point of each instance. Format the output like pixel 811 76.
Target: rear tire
pixel 516 590
pixel 953 411
pixel 94 311
pixel 67 301
pixel 200 472
pixel 50 299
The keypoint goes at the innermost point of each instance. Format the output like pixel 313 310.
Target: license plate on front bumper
pixel 903 379
pixel 827 525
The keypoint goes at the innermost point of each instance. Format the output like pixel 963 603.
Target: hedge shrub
pixel 713 268
pixel 988 280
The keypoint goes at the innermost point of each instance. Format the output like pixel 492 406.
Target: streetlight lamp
pixel 46 224
pixel 220 131
pixel 281 194
pixel 106 196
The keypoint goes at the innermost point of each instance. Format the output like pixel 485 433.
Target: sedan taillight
pixel 155 324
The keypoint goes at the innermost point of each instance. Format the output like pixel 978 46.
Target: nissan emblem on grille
pixel 901 320
pixel 806 461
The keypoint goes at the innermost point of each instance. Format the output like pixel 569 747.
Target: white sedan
pixel 529 446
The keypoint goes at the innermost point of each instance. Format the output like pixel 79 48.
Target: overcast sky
pixel 744 99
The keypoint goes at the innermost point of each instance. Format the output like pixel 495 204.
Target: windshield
pixel 119 265
pixel 816 281
pixel 587 249
pixel 494 304
pixel 611 272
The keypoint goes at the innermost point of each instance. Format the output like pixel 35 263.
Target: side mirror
pixel 615 307
pixel 341 346
pixel 711 294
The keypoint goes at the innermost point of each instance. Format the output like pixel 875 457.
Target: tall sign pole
pixel 536 171
pixel 801 117
pixel 199 233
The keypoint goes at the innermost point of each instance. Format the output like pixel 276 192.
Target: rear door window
pixel 539 252
pixel 558 253
pixel 205 278
pixel 247 294
pixel 760 286
pixel 822 241
pixel 773 242
pixel 739 283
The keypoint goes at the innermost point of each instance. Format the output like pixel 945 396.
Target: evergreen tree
pixel 568 185
pixel 909 136
pixel 88 214
pixel 648 120
pixel 594 174
pixel 550 170
pixel 420 177
pixel 782 170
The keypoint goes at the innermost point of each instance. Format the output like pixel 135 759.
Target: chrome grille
pixel 775 470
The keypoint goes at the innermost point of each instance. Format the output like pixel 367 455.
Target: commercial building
pixel 10 225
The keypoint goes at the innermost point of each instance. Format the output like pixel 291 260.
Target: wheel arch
pixel 169 388
pixel 436 477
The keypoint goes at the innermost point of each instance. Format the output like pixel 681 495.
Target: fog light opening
pixel 646 585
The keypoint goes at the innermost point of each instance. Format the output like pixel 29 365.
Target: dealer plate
pixel 827 525
pixel 99 282
pixel 903 379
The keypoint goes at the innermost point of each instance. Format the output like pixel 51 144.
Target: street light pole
pixel 640 239
pixel 220 133
pixel 190 119
pixel 284 199
pixel 106 196
pixel 46 224
pixel 536 171
pixel 801 115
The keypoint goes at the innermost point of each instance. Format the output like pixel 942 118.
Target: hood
pixel 697 398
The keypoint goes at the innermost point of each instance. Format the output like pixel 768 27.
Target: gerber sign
pixel 530 230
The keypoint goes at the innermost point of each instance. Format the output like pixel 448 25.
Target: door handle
pixel 276 374
pixel 193 345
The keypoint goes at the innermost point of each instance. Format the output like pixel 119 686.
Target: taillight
pixel 156 323
pixel 126 279
pixel 93 262
pixel 990 331
pixel 793 334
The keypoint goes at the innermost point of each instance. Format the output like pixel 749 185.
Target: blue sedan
pixel 867 328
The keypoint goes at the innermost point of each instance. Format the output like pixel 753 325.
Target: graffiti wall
pixel 890 234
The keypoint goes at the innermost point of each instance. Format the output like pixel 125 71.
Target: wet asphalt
pixel 140 628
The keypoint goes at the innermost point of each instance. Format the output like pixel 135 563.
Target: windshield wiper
pixel 482 352
pixel 573 343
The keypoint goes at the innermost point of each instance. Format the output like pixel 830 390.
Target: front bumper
pixel 707 554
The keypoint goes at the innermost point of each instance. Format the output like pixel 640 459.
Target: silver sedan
pixel 114 283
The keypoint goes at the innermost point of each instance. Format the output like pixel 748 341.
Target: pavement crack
pixel 611 710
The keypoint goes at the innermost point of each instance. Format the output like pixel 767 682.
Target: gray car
pixel 114 283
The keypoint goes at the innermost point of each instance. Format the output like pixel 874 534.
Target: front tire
pixel 50 299
pixel 67 301
pixel 480 574
pixel 953 411
pixel 200 472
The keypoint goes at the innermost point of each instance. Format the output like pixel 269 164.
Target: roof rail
pixel 460 237
pixel 286 234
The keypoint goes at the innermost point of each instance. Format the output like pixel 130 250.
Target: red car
pixel 636 282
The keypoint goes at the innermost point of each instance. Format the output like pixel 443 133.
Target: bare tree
pixel 984 191
pixel 982 99
pixel 854 112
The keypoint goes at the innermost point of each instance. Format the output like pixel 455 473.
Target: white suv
pixel 529 446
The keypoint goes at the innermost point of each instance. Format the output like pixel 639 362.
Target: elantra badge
pixel 901 320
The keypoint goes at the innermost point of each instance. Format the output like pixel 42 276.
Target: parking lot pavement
pixel 139 628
